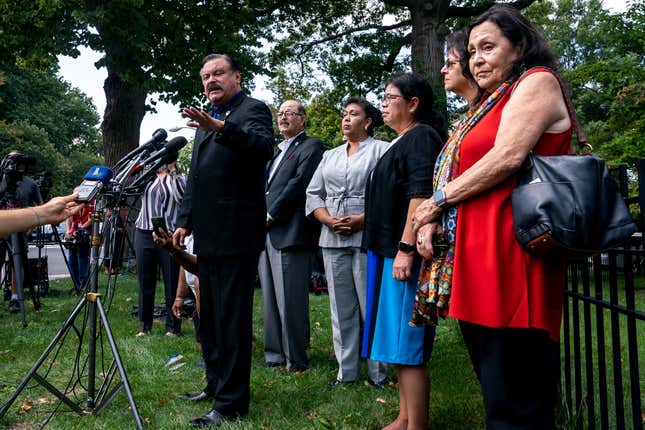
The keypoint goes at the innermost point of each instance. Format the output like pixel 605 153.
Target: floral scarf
pixel 435 281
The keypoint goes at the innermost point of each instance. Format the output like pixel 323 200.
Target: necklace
pixel 408 128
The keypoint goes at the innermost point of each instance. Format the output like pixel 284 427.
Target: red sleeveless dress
pixel 495 282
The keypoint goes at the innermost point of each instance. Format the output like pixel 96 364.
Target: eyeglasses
pixel 387 98
pixel 449 63
pixel 288 113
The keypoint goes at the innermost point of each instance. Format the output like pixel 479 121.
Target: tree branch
pixel 307 46
pixel 468 11
pixel 389 61
pixel 400 3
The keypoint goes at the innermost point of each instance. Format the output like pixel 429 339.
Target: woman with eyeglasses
pixel 454 79
pixel 336 198
pixel 401 180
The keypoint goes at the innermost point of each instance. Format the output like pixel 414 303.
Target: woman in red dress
pixel 508 302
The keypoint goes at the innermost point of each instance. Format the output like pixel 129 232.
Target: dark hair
pixel 414 85
pixel 458 41
pixel 534 49
pixel 231 63
pixel 370 111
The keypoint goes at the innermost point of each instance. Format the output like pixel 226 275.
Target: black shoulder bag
pixel 567 206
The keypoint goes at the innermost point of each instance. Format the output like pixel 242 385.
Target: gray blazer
pixel 339 186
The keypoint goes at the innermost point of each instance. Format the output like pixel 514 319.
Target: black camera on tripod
pixel 15 163
pixel 80 240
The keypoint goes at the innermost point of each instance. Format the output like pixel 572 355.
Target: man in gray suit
pixel 285 263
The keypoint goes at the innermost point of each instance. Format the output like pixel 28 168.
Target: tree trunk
pixel 428 34
pixel 124 111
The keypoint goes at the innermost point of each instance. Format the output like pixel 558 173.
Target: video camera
pixel 15 163
pixel 79 240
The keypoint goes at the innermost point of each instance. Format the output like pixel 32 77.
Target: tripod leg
pixel 66 326
pixel 117 359
pixel 18 268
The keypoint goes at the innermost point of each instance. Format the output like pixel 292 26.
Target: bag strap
pixel 583 143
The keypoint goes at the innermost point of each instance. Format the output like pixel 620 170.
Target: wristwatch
pixel 439 198
pixel 406 247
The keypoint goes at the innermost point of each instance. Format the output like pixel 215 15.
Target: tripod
pixel 97 399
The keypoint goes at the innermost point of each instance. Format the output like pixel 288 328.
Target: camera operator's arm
pixel 53 212
pixel 185 259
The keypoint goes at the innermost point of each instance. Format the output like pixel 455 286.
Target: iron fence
pixel 602 319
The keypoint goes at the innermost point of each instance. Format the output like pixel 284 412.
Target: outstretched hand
pixel 201 119
pixel 59 209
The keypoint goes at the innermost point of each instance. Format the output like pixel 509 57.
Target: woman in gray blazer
pixel 336 198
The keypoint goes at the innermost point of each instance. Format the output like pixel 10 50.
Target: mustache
pixel 284 122
pixel 214 86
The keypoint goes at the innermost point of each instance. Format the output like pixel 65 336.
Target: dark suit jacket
pixel 224 200
pixel 286 195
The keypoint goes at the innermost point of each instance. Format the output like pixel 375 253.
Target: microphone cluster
pixel 134 170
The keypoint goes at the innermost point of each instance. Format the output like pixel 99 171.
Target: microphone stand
pixel 97 399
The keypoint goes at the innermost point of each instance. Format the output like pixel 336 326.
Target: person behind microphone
pixel 225 207
pixel 161 199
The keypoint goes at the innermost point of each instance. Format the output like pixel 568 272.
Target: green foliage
pixel 44 117
pixel 602 57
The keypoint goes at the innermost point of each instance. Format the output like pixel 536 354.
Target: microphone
pixel 157 137
pixel 173 145
pixel 95 179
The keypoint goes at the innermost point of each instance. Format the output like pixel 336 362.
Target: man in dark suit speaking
pixel 291 238
pixel 224 207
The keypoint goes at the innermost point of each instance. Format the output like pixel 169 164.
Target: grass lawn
pixel 279 400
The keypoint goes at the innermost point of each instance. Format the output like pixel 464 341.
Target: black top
pixel 404 172
pixel 224 202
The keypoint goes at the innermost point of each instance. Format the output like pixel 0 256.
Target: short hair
pixel 370 111
pixel 301 108
pixel 414 85
pixel 231 63
pixel 457 41
pixel 534 49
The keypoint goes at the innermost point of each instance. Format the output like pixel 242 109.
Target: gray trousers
pixel 284 276
pixel 345 271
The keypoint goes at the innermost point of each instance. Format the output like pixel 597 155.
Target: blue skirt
pixel 387 336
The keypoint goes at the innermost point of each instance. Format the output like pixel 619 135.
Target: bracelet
pixel 39 220
pixel 179 298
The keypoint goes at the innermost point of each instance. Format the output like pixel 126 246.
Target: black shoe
pixel 14 306
pixel 299 368
pixel 379 385
pixel 196 397
pixel 211 419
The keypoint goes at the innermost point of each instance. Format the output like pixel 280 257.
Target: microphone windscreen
pixel 159 135
pixel 99 173
pixel 175 144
